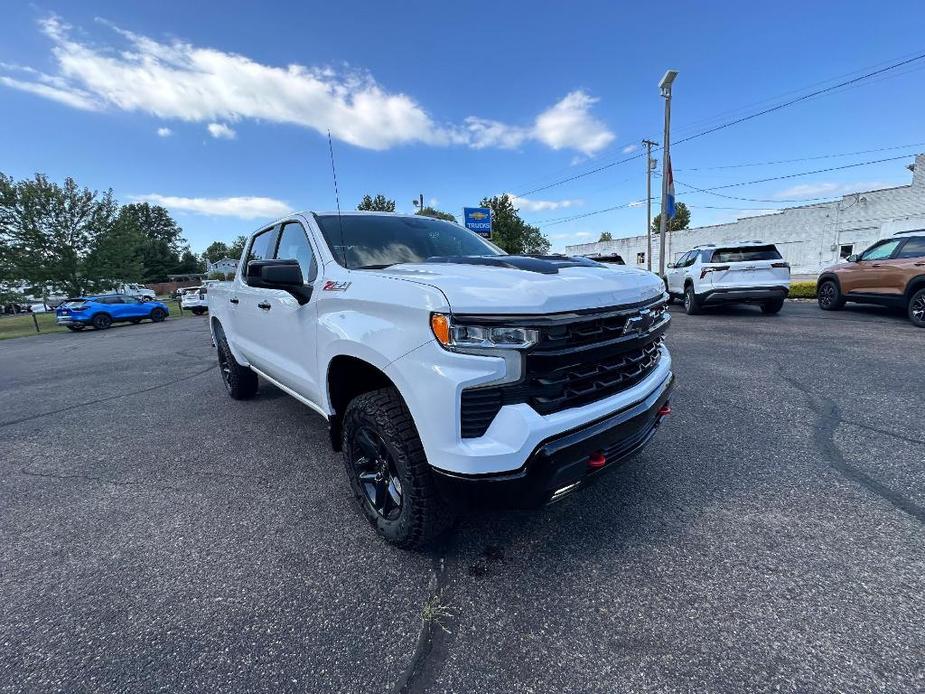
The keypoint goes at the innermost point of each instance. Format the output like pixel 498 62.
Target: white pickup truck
pixel 449 372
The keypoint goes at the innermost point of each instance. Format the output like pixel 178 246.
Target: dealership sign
pixel 478 219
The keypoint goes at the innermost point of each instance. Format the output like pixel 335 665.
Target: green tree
pixel 436 214
pixel 377 204
pixel 512 233
pixel 48 232
pixel 215 251
pixel 116 255
pixel 681 220
pixel 162 237
pixel 605 236
pixel 236 249
pixel 189 264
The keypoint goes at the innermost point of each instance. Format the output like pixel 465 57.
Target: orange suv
pixel 890 273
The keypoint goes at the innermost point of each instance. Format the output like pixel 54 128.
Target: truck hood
pixel 480 289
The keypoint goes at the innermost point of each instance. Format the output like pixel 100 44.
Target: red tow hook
pixel 664 410
pixel 597 460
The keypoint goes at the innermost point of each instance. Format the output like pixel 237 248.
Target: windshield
pixel 372 241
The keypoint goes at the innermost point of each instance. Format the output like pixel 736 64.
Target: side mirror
pixel 279 274
pixel 853 258
pixel 669 266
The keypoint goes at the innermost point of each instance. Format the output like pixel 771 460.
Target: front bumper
pixel 744 295
pixel 560 465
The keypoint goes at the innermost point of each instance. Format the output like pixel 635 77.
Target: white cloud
pixel 221 131
pixel 179 80
pixel 243 207
pixel 569 124
pixel 629 149
pixel 831 189
pixel 433 202
pixel 164 132
pixel 525 205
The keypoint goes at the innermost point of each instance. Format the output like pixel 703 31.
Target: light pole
pixel 665 87
pixel 650 164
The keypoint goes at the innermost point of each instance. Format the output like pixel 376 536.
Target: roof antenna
pixel 340 224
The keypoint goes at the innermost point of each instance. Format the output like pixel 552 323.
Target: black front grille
pixel 576 361
pixel 559 382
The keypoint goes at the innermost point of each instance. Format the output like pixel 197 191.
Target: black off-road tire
pixel 101 321
pixel 917 308
pixel 75 328
pixel 158 314
pixel 829 297
pixel 423 514
pixel 198 311
pixel 772 306
pixel 240 381
pixel 691 302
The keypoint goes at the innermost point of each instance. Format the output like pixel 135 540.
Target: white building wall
pixel 808 237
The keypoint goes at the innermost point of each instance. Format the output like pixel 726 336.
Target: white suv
pixel 750 272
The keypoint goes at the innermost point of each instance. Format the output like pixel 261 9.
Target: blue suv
pixel 102 311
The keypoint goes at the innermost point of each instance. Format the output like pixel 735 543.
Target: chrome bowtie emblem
pixel 640 323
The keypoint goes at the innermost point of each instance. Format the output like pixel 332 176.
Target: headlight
pixel 464 338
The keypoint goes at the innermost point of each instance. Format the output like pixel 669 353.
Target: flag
pixel 669 207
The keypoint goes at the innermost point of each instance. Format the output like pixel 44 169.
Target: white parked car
pixel 194 299
pixel 448 371
pixel 746 272
pixel 138 290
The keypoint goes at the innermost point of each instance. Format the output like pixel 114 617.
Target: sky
pixel 220 111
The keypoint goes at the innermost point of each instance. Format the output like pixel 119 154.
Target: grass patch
pixel 22 325
pixel 803 290
pixel 435 612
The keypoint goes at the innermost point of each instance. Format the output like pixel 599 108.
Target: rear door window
pixel 745 254
pixel 913 248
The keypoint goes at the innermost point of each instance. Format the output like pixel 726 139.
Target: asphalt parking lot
pixel 155 534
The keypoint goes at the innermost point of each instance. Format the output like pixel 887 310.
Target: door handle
pixel 233 300
pixel 876 265
pixel 919 264
pixel 264 305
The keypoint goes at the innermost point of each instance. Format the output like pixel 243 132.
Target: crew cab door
pixel 285 346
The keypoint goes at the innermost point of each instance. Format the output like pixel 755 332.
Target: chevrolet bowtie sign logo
pixel 639 324
pixel 478 219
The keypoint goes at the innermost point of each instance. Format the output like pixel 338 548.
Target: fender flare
pixel 828 276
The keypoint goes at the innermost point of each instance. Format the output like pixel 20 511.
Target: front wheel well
pixel 915 284
pixel 349 377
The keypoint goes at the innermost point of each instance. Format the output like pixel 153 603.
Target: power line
pixel 712 189
pixel 736 121
pixel 791 161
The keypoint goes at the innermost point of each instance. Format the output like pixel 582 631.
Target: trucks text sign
pixel 478 219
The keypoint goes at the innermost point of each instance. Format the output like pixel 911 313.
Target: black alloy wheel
pixel 377 474
pixel 101 321
pixel 158 314
pixel 917 308
pixel 828 296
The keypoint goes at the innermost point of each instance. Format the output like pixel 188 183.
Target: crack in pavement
pixel 829 416
pixel 433 640
pixel 101 480
pixel 106 399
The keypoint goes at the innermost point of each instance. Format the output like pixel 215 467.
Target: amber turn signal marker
pixel 440 324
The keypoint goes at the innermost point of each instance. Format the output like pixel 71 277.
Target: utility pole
pixel 665 87
pixel 650 164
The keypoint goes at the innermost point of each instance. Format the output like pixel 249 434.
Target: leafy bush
pixel 803 290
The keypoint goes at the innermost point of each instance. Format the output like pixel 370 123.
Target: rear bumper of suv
pixel 563 463
pixel 744 294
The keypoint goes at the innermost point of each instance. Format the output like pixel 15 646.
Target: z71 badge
pixel 332 286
